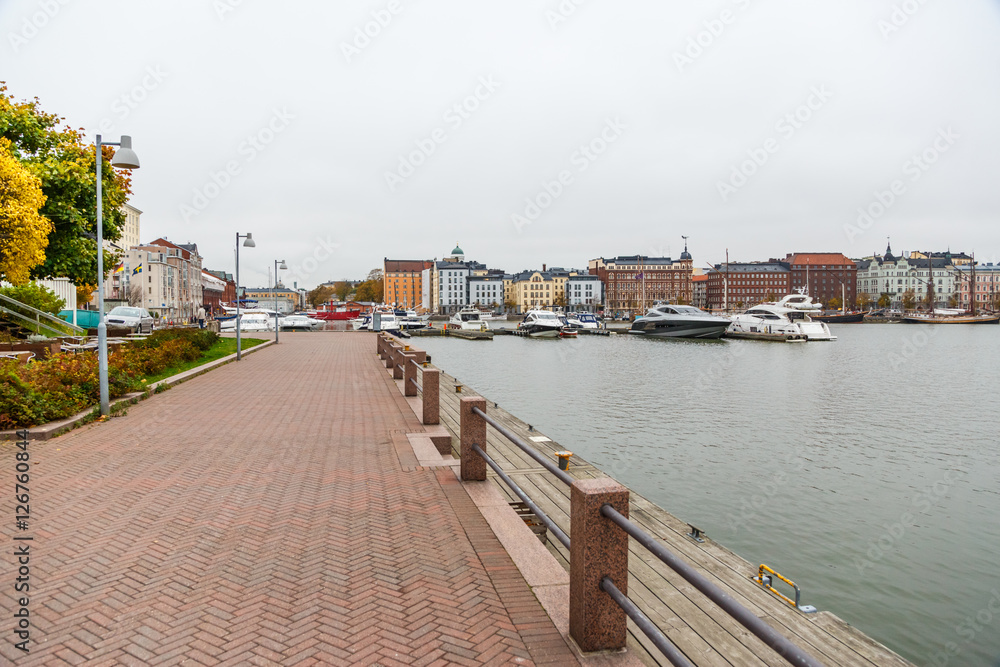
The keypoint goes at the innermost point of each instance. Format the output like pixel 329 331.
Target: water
pixel 864 469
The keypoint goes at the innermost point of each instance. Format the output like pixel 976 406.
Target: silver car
pixel 137 319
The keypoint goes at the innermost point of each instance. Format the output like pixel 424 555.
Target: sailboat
pixel 935 317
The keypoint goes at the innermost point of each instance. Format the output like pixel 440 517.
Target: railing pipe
pixel 542 516
pixel 781 644
pixel 526 448
pixel 660 641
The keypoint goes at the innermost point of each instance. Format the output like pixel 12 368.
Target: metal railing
pixel 768 635
pixel 781 644
pixel 416 386
pixel 41 319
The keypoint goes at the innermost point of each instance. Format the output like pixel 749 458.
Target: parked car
pixel 137 319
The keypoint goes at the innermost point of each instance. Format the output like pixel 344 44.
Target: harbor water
pixel 866 469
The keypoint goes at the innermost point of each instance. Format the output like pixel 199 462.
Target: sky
pixel 531 133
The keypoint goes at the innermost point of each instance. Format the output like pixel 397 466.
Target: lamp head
pixel 283 265
pixel 125 157
pixel 249 242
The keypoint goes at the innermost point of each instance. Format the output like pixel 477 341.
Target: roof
pixel 813 258
pixel 457 251
pixel 699 278
pixel 637 259
pixel 406 265
pixel 748 267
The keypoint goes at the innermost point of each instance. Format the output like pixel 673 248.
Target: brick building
pixel 824 276
pixel 745 284
pixel 633 282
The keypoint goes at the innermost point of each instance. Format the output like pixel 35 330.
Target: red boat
pixel 336 315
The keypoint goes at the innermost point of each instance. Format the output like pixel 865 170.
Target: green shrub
pixel 36 296
pixel 65 384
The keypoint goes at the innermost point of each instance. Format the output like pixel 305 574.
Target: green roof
pixel 457 251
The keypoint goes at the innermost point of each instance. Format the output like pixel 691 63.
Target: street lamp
pixel 124 158
pixel 275 295
pixel 249 244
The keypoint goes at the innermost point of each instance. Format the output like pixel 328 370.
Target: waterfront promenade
pixel 270 512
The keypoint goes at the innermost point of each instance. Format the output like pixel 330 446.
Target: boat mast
pixel 725 285
pixel 972 287
pixel 930 282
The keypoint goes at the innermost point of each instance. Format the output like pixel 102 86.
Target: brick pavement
pixel 262 515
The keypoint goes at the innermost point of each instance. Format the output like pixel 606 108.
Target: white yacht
pixel 667 320
pixel 469 319
pixel 250 320
pixel 770 318
pixel 583 320
pixel 299 322
pixel 541 324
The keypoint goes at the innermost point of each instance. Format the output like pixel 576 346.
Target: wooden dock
pixel 760 335
pixel 706 634
pixel 453 333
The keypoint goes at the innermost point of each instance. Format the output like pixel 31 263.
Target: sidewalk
pixel 268 513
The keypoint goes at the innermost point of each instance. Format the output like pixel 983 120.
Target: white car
pixel 137 319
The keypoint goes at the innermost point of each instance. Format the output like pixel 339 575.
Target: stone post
pixel 398 361
pixel 598 549
pixel 409 374
pixel 473 430
pixel 390 352
pixel 430 385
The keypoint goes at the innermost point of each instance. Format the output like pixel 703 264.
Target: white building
pixel 583 292
pixel 894 276
pixel 486 291
pixel 161 277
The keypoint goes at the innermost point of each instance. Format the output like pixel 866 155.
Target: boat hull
pixel 535 331
pixel 695 329
pixel 849 318
pixel 980 319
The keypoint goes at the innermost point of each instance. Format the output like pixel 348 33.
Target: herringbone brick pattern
pixel 260 515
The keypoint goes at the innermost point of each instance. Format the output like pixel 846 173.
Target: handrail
pixel 414 383
pixel 549 523
pixel 781 644
pixel 648 628
pixel 38 313
pixel 564 477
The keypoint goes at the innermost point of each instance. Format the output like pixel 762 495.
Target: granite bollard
pixel 473 430
pixel 598 549
pixel 430 387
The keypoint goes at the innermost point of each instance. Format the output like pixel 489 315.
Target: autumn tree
pixel 864 300
pixel 835 303
pixel 884 300
pixel 343 289
pixel 370 290
pixel 24 233
pixel 317 297
pixel 909 300
pixel 65 166
pixel 134 294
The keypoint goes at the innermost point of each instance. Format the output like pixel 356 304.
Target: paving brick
pixel 271 512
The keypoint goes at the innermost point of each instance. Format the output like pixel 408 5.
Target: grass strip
pixel 221 348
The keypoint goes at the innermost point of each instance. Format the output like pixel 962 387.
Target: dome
pixel 457 251
pixel 685 254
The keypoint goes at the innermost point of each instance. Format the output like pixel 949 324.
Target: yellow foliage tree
pixel 24 233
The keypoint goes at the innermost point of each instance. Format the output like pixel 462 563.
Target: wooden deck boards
pixel 706 634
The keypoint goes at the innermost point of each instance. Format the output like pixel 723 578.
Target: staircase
pixel 20 320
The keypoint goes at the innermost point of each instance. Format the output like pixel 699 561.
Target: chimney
pixel 543 268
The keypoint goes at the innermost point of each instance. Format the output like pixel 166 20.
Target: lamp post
pixel 124 158
pixel 249 244
pixel 275 295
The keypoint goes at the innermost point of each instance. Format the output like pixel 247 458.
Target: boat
pixel 387 322
pixel 839 318
pixel 250 320
pixel 541 324
pixel 409 319
pixel 361 323
pixel 299 322
pixel 468 319
pixel 583 320
pixel 665 320
pixel 769 319
pixel 335 315
pixel 951 319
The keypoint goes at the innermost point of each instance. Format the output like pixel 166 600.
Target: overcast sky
pixel 532 132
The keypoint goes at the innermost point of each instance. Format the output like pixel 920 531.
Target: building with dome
pixel 894 276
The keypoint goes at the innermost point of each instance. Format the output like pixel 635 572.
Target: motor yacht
pixel 583 320
pixel 469 319
pixel 299 323
pixel 250 320
pixel 770 318
pixel 666 320
pixel 541 324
